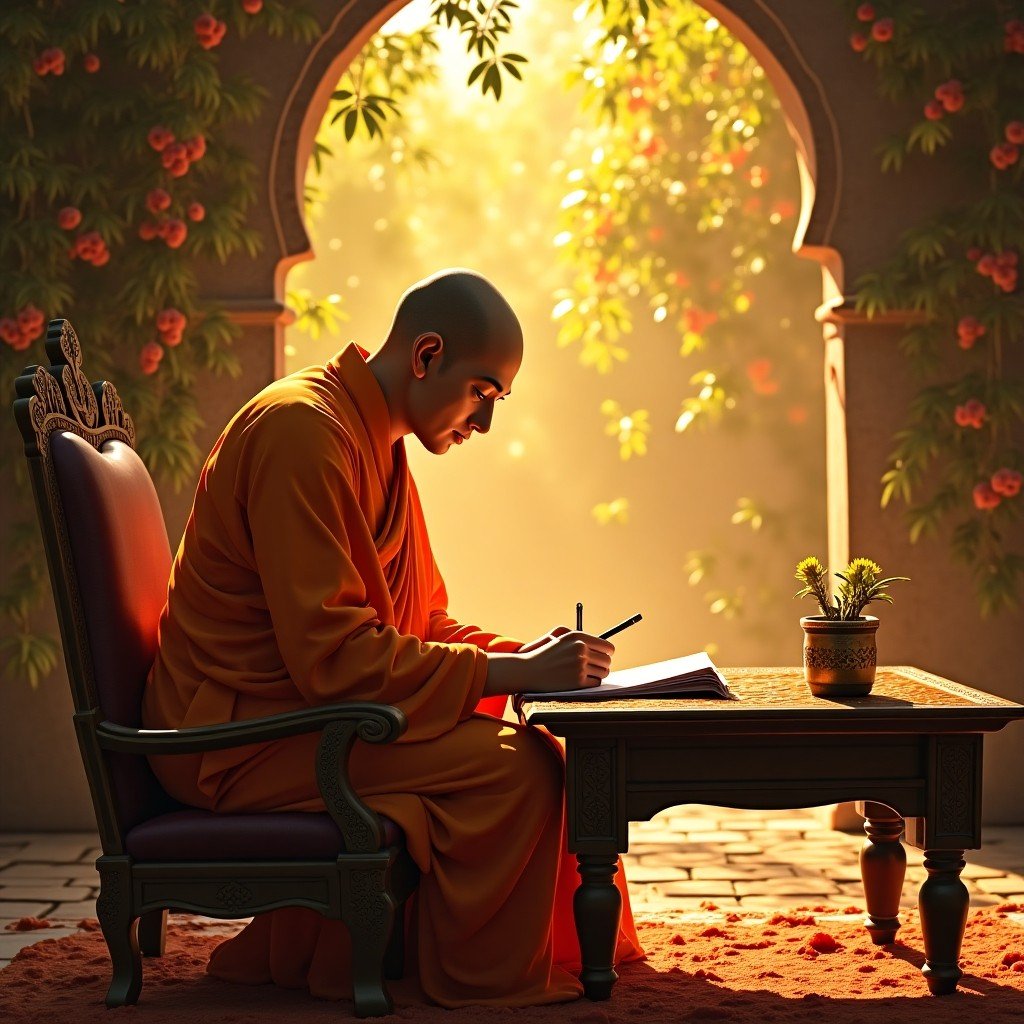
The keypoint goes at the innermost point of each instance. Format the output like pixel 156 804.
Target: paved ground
pixel 752 859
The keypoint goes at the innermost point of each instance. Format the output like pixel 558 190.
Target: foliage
pixel 860 584
pixel 960 455
pixel 118 176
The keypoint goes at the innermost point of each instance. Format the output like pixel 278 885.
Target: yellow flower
pixel 630 429
pixel 616 511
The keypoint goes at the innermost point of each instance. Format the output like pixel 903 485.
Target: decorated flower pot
pixel 839 655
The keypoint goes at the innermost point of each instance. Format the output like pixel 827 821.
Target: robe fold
pixel 304 577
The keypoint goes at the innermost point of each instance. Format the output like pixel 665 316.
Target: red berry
pixel 196 211
pixel 252 6
pixel 858 42
pixel 53 60
pixel 986 265
pixel 160 137
pixel 41 67
pixel 195 148
pixel 91 63
pixel 10 331
pixel 69 218
pixel 976 411
pixel 178 168
pixel 101 258
pixel 866 12
pixel 158 200
pixel 1006 482
pixel 961 417
pixel 176 233
pixel 205 24
pixel 1014 132
pixel 170 319
pixel 173 152
pixel 147 231
pixel 171 338
pixel 934 110
pixel 984 497
pixel 30 319
pixel 882 30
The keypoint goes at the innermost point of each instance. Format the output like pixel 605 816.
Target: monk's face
pixel 457 392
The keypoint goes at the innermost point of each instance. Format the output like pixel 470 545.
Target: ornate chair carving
pixel 109 562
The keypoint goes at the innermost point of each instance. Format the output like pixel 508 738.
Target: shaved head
pixel 453 349
pixel 465 309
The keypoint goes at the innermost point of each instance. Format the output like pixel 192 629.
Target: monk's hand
pixel 572 660
pixel 551 634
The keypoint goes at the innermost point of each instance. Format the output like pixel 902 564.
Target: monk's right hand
pixel 571 661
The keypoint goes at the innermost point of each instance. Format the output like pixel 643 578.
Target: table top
pixel 901 693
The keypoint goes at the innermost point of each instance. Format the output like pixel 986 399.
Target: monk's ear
pixel 426 348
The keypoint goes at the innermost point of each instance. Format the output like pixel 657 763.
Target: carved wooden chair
pixel 109 562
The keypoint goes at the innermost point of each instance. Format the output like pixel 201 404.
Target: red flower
pixel 49 62
pixel 150 356
pixel 252 6
pixel 1014 132
pixel 1003 155
pixel 209 31
pixel 30 321
pixel 170 319
pixel 148 231
pixel 969 330
pixel 934 110
pixel 858 42
pixel 976 412
pixel 984 497
pixel 160 137
pixel 175 233
pixel 158 200
pixel 196 211
pixel 866 12
pixel 10 332
pixel 1006 482
pixel 882 30
pixel 195 148
pixel 91 63
pixel 69 218
pixel 951 95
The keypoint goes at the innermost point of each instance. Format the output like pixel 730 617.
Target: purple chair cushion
pixel 211 835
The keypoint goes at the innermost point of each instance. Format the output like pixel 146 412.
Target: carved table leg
pixel 153 932
pixel 596 907
pixel 943 906
pixel 883 866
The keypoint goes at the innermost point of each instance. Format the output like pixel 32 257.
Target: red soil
pixel 808 966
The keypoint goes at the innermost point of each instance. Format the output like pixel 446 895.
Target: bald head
pixel 465 310
pixel 452 352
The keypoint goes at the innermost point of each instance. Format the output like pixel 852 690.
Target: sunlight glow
pixel 561 309
pixel 516 449
pixel 573 198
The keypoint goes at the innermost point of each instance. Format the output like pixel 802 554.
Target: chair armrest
pixel 374 723
pixel 340 726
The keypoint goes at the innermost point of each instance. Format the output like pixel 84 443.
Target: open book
pixel 692 676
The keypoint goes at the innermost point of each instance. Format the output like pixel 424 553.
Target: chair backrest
pixel 109 561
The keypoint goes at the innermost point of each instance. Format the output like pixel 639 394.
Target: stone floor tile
pixel 32 870
pixel 788 902
pixel 794 824
pixel 73 910
pixel 717 837
pixel 663 835
pixel 642 873
pixel 981 871
pixel 12 942
pixel 55 850
pixel 787 887
pixel 761 835
pixel 703 888
pixel 742 849
pixel 742 872
pixel 1012 885
pixel 42 892
pixel 681 857
pixel 843 873
pixel 13 910
pixel 675 904
pixel 689 823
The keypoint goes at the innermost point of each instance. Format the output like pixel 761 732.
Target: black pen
pixel 621 626
pixel 579 616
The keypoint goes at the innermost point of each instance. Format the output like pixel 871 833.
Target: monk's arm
pixel 302 510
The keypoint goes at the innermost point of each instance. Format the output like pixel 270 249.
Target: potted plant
pixel 839 645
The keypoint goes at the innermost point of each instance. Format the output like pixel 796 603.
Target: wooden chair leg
pixel 394 957
pixel 370 914
pixel 119 927
pixel 153 933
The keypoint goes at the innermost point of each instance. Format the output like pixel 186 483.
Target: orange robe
pixel 305 577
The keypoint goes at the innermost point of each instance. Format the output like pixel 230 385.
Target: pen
pixel 621 626
pixel 579 616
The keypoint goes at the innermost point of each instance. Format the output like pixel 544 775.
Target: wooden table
pixel 909 752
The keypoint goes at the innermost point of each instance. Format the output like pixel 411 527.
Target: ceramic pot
pixel 839 655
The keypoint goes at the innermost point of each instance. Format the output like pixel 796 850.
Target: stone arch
pixel 810 117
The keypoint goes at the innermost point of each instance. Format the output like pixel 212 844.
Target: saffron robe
pixel 305 577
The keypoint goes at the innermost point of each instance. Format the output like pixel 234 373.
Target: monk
pixel 305 577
